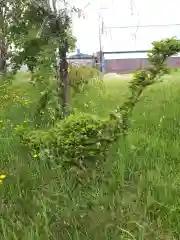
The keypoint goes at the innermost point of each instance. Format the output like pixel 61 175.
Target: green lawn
pixel 135 195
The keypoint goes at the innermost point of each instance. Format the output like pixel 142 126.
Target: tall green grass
pixel 135 194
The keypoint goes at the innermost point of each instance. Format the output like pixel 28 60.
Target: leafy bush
pixel 79 137
pixel 175 70
pixel 80 76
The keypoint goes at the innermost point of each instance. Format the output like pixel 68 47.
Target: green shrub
pixel 79 137
pixel 80 76
pixel 175 70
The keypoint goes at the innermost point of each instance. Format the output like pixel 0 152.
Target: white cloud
pixel 119 13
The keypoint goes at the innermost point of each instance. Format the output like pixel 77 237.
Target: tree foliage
pixel 41 35
pixel 34 30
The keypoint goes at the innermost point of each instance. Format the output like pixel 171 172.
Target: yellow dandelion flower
pixel 35 155
pixel 2 176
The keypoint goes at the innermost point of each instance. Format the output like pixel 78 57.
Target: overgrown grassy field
pixel 135 195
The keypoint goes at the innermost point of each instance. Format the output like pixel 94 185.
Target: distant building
pixel 82 59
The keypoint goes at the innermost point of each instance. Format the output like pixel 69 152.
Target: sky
pixel 117 13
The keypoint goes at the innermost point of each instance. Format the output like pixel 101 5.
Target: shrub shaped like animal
pixel 84 137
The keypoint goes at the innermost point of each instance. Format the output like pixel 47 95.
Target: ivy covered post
pixel 64 80
pixel 3 57
pixel 61 27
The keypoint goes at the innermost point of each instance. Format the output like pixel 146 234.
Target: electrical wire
pixel 144 26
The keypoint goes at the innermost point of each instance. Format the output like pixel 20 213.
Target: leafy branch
pixel 142 79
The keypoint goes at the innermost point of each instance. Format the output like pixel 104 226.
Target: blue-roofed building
pixel 80 55
pixel 82 59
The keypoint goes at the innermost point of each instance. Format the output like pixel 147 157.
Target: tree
pixel 38 29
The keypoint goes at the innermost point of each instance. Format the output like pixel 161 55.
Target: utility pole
pixel 100 43
pixel 100 38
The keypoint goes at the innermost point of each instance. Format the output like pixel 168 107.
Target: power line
pixel 144 26
pixel 124 52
